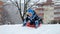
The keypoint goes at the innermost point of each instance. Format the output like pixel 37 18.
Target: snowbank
pixel 18 29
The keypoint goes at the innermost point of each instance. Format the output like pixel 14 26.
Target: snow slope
pixel 18 29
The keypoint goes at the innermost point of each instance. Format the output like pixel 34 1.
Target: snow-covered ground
pixel 18 29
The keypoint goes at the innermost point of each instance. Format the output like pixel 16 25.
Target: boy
pixel 32 18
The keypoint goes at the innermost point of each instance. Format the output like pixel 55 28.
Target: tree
pixel 15 3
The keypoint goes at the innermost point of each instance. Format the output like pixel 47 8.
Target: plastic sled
pixel 33 26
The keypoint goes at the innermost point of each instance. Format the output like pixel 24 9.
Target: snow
pixel 18 29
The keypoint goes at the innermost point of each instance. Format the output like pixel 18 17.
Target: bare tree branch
pixel 34 4
pixel 19 8
pixel 13 3
pixel 25 7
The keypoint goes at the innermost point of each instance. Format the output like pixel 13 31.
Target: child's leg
pixel 36 23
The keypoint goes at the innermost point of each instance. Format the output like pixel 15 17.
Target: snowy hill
pixel 18 29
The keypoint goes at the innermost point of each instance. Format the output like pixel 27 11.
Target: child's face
pixel 30 14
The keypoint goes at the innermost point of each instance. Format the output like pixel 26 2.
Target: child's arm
pixel 25 21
